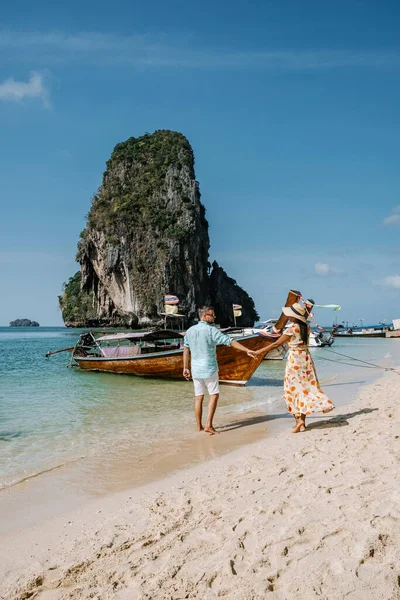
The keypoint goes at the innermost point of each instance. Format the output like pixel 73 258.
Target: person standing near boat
pixel 302 392
pixel 201 342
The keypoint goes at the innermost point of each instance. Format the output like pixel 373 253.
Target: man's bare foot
pixel 201 428
pixel 211 430
pixel 328 410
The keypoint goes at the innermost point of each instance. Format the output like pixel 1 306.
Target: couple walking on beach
pixel 302 392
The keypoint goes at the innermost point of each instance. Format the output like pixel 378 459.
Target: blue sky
pixel 292 110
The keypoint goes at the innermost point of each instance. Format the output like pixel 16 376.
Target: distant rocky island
pixel 147 235
pixel 24 323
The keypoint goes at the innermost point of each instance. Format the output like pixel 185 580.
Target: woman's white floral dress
pixel 302 391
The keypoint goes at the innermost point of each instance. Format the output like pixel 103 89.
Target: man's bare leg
pixel 198 411
pixel 212 405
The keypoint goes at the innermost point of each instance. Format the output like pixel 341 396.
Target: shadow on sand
pixel 340 420
pixel 253 421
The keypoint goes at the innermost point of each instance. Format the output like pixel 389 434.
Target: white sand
pixel 313 515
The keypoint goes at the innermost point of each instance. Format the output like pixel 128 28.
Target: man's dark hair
pixel 204 309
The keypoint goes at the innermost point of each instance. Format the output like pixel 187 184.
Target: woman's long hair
pixel 304 332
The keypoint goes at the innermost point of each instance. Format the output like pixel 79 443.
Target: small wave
pixel 4 485
pixel 256 404
pixel 7 436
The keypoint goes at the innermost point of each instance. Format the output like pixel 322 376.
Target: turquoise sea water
pixel 52 415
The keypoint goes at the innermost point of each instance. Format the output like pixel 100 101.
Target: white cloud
pixel 390 281
pixel 16 91
pixel 394 218
pixel 323 269
pixel 185 51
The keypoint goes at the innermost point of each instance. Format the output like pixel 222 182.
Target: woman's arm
pixel 284 338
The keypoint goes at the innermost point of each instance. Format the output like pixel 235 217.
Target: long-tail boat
pixel 159 353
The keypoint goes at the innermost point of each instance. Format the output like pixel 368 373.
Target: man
pixel 201 341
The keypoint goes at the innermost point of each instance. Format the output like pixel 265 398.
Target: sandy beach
pixel 313 515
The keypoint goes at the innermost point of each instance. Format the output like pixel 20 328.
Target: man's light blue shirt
pixel 202 340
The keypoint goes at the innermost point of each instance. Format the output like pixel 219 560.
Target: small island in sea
pixel 24 323
pixel 146 235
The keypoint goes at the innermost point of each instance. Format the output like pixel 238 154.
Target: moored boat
pixel 360 333
pixel 319 339
pixel 159 353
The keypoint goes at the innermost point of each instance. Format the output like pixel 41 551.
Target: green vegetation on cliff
pixel 140 174
pixel 76 305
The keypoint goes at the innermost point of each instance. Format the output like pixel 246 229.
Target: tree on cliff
pixel 77 305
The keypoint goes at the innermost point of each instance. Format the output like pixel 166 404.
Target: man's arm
pixel 222 338
pixel 251 353
pixel 186 370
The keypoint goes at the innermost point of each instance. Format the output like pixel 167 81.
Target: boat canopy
pixel 231 329
pixel 149 336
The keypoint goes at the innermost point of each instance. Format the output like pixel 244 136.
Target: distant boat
pixel 357 332
pixel 159 353
pixel 319 339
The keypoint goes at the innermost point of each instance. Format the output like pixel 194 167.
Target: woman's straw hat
pixel 296 310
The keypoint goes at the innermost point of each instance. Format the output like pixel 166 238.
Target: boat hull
pixel 235 367
pixel 360 334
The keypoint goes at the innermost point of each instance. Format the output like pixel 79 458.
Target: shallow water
pixel 52 415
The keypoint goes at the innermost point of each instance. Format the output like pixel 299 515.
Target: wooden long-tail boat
pixel 160 353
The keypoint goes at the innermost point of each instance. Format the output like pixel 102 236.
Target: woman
pixel 302 395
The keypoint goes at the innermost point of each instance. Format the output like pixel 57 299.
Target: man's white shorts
pixel 211 384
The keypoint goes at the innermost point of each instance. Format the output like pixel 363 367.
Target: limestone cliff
pixel 146 235
pixel 225 292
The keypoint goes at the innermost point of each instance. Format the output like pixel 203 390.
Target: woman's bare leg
pixel 300 423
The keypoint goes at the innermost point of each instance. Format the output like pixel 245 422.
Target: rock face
pixel 146 236
pixel 225 292
pixel 24 323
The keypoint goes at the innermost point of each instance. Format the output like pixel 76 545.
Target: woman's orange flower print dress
pixel 302 391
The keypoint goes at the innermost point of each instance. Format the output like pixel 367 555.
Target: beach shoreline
pixel 80 481
pixel 243 525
